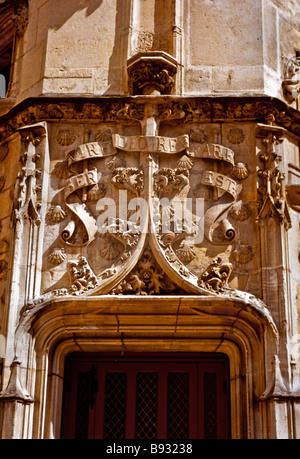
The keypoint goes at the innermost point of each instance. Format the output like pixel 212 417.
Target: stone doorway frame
pixel 52 330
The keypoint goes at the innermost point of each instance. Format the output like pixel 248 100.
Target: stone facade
pixel 115 110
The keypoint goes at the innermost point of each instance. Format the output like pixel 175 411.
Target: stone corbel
pixel 14 390
pixel 276 387
pixel 291 82
pixel 12 398
pixel 151 72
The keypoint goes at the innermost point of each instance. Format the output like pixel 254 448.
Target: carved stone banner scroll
pixel 151 144
pixel 221 182
pixel 212 151
pixel 91 150
pixel 79 182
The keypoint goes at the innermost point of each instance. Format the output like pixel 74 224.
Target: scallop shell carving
pixel 236 136
pixel 198 135
pixel 116 162
pixel 185 163
pixel 56 214
pixel 61 170
pixel 243 254
pixel 57 256
pixel 103 135
pixel 65 137
pixel 240 211
pixel 110 251
pixel 185 253
pixel 240 171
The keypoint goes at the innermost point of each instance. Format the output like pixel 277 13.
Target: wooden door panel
pixel 145 400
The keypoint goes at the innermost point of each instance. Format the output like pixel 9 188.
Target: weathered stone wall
pixel 224 47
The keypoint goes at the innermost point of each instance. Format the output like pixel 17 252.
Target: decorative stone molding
pixel 128 178
pixel 240 211
pixel 115 260
pixel 121 110
pixel 144 41
pixel 147 279
pixel 147 262
pixel 135 165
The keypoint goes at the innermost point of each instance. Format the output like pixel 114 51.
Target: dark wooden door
pixel 158 398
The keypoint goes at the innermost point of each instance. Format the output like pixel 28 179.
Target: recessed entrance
pixel 146 397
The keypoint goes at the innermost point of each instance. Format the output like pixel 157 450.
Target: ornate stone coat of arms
pixel 137 213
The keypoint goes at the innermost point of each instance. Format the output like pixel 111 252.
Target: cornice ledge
pixel 119 108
